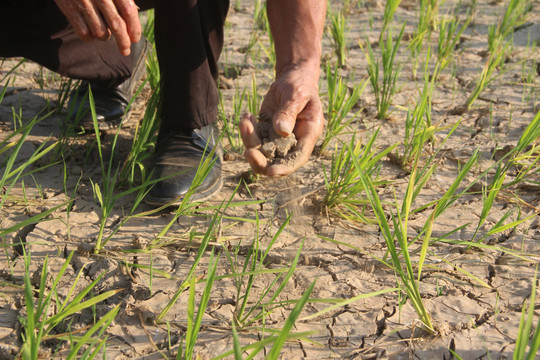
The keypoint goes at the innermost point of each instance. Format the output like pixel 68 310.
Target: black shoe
pixel 177 161
pixel 110 102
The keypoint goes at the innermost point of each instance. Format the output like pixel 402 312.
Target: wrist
pixel 310 67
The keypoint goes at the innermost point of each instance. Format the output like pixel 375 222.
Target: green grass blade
pixel 236 343
pixel 511 225
pixel 348 302
pixel 191 336
pixel 190 320
pixel 291 319
pixel 74 308
pixel 259 345
pixel 525 325
pixel 535 343
pixel 104 321
pixel 425 244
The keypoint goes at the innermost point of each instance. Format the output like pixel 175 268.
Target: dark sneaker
pixel 110 103
pixel 176 162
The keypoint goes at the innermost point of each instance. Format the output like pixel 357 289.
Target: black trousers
pixel 189 40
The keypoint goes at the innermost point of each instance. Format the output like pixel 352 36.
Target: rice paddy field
pixel 412 233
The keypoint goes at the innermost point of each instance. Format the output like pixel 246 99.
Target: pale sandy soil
pixel 479 322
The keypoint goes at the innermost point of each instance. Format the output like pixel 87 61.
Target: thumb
pixel 285 116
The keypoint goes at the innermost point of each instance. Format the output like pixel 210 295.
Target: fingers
pixel 247 131
pixel 123 21
pixel 98 19
pixel 285 116
pixel 130 14
pixel 258 162
pixel 255 158
pixel 81 19
pixel 292 162
pixel 294 106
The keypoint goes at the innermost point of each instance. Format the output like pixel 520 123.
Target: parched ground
pixel 474 296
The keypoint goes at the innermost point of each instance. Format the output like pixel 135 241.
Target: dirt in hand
pixel 275 147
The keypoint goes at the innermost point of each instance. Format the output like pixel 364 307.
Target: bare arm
pixel 297 27
pixel 292 101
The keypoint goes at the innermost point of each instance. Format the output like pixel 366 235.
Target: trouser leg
pixel 189 40
pixel 37 30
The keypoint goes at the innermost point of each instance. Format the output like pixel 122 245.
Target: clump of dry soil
pixel 274 147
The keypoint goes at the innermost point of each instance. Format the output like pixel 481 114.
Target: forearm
pixel 297 27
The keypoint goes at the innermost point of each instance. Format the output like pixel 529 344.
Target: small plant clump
pixel 384 72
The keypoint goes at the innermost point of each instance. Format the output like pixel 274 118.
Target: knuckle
pixel 129 11
pixel 287 112
pixel 99 33
pixel 84 35
pixel 116 24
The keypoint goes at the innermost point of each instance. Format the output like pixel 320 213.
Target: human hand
pixel 98 19
pixel 293 105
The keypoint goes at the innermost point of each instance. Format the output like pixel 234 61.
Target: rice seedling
pixel 344 302
pixel 11 71
pixel 524 155
pixel 65 89
pixel 291 319
pixel 277 341
pixel 384 72
pixel 230 124
pixel 264 24
pixel 526 324
pixel 143 142
pixel 258 16
pixel 389 10
pixel 347 6
pixel 528 75
pixel 516 14
pixel 69 196
pixel 338 30
pixel 490 193
pixel 529 136
pixel 488 200
pixel 253 99
pixel 105 194
pixel 340 104
pixel 418 124
pixel 40 321
pixel 488 75
pixel 258 346
pixel 254 265
pixel 449 35
pixel 11 147
pixel 409 280
pixel 194 321
pixel 208 235
pixel 145 133
pixel 451 195
pixel 344 192
pixel 427 16
pixel 11 174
